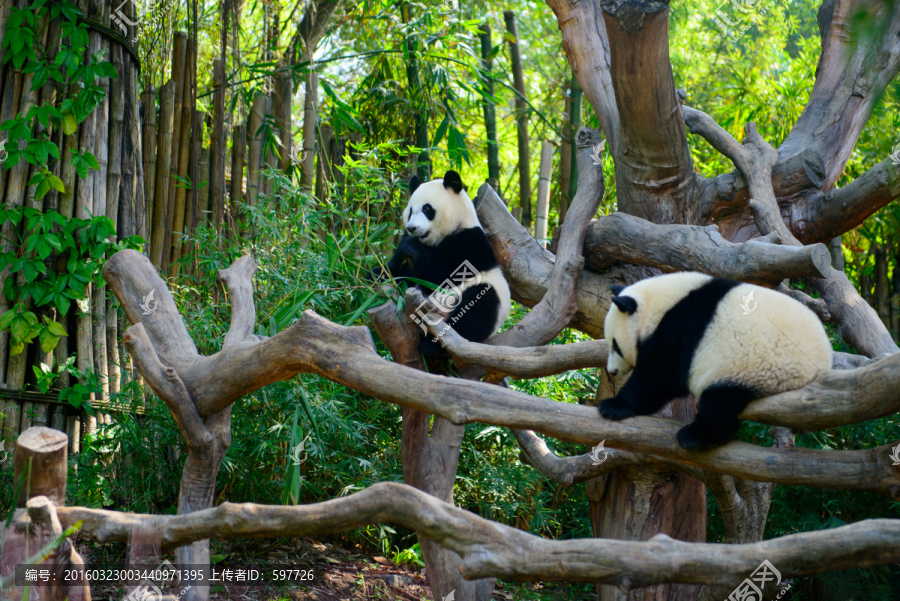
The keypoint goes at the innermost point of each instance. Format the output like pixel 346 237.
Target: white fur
pixel 453 212
pixel 770 343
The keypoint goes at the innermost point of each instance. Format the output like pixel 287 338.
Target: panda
pixel 445 245
pixel 725 342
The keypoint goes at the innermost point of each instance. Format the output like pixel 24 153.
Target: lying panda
pixel 725 342
pixel 446 246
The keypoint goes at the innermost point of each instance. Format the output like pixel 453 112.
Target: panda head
pixel 622 329
pixel 438 209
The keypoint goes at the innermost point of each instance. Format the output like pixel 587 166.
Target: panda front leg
pixel 644 393
pixel 717 416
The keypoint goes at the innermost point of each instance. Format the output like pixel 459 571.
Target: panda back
pixel 761 339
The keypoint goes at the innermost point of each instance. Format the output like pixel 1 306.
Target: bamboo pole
pixel 565 162
pixel 178 230
pixel 217 150
pixel 164 154
pixel 323 164
pixel 179 69
pixel 148 143
pixel 254 160
pixel 575 120
pixel 204 191
pixel 238 148
pixel 308 155
pixel 521 118
pixel 282 108
pixel 268 184
pixel 490 110
pixel 543 199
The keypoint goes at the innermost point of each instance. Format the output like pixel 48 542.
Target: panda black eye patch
pixel 428 211
pixel 616 348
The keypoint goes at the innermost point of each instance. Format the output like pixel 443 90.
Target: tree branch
pixel 492 549
pixel 622 237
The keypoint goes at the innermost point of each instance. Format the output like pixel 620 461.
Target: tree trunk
pixel 543 197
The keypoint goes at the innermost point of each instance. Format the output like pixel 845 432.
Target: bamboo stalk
pixel 254 159
pixel 217 151
pixel 179 230
pixel 73 431
pixel 490 110
pixel 323 165
pixel 164 154
pixel 148 110
pixel 521 118
pixel 267 183
pixel 282 109
pixel 116 135
pixel 575 121
pixel 179 69
pixel 310 119
pixel 238 149
pixel 565 162
pixel 543 199
pixel 203 166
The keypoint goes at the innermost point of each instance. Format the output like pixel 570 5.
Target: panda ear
pixel 626 304
pixel 617 289
pixel 414 182
pixel 453 181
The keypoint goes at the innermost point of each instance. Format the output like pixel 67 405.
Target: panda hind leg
pixel 717 416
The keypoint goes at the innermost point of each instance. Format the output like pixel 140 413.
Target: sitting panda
pixel 445 245
pixel 725 342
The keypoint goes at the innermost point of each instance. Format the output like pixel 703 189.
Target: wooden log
pixel 492 549
pixel 41 462
pixel 164 156
pixel 521 118
pixel 543 196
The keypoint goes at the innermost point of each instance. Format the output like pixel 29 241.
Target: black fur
pixel 663 364
pixel 453 181
pixel 414 182
pixel 473 321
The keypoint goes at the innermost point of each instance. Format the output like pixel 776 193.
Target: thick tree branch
pixel 492 549
pixel 622 237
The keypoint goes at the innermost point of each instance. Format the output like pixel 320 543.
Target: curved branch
pixel 580 468
pixel 492 549
pixel 522 362
pixel 239 280
pixel 622 237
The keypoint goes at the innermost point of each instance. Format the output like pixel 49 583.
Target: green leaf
pixel 69 123
pixel 56 183
pixel 48 340
pixel 57 329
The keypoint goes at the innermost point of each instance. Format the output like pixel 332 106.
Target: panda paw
pixel 615 409
pixel 692 438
